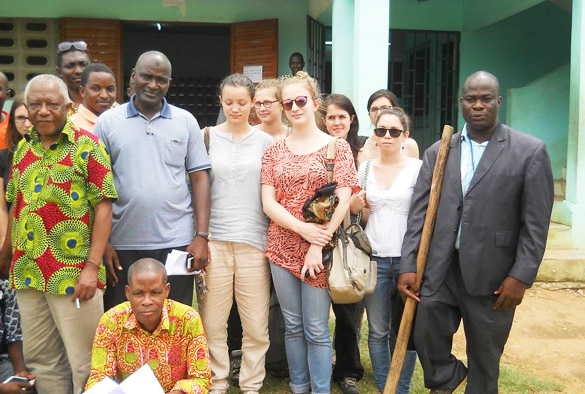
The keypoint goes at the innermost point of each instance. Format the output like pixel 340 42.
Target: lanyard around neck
pixel 472 164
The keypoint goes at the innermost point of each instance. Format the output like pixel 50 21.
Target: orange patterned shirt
pixel 176 351
pixel 295 179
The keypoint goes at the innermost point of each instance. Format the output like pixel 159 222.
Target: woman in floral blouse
pixel 291 172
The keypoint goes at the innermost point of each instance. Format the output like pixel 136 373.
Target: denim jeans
pixel 308 345
pixel 378 307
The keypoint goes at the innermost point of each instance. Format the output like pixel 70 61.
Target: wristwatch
pixel 202 234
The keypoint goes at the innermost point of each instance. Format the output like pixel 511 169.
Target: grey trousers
pixel 486 331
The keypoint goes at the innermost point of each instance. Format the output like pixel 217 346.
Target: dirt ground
pixel 548 335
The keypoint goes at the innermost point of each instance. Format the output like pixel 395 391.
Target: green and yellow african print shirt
pixel 54 191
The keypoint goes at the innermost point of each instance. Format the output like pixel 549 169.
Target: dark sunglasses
pixel 381 132
pixel 300 101
pixel 68 46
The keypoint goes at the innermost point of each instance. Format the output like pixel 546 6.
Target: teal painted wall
pixel 481 13
pixel 426 15
pixel 519 49
pixel 291 15
pixel 531 109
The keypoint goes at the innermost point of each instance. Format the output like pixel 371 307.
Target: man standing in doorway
pixel 296 63
pixel 153 146
pixel 72 59
pixel 488 241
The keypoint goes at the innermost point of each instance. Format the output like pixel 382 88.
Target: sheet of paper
pixel 254 73
pixel 105 386
pixel 142 381
pixel 176 263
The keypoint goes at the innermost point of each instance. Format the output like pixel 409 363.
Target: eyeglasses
pixel 266 103
pixel 376 109
pixel 21 119
pixel 381 132
pixel 300 101
pixel 68 45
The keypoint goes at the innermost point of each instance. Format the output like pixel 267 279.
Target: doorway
pixel 424 75
pixel 200 57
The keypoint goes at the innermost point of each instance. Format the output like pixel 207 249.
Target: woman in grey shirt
pixel 238 229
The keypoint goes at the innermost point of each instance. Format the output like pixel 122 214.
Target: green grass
pixel 511 381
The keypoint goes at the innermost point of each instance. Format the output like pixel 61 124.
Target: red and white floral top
pixel 295 179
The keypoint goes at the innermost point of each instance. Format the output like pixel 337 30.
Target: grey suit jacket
pixel 504 216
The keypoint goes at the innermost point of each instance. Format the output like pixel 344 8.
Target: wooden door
pixel 255 43
pixel 103 40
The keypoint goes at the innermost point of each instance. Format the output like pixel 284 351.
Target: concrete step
pixel 560 187
pixel 559 237
pixel 562 266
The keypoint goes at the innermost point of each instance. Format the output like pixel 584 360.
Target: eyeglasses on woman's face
pixel 381 132
pixel 266 103
pixel 300 101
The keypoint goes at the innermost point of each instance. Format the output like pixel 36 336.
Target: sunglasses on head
pixel 68 46
pixel 381 132
pixel 300 101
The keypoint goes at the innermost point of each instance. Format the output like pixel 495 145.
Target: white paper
pixel 105 386
pixel 176 263
pixel 254 73
pixel 142 381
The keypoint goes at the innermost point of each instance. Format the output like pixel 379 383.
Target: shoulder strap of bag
pixel 331 157
pixel 364 185
pixel 366 172
pixel 206 138
pixel 330 164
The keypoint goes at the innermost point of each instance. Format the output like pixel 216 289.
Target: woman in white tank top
pixel 387 185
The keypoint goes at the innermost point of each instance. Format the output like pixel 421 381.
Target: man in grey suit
pixel 488 241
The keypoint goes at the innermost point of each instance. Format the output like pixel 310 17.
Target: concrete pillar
pixel 360 36
pixel 575 191
pixel 342 33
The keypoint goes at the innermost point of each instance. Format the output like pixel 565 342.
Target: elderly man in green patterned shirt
pixel 61 189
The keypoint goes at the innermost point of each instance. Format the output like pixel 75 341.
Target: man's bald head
pixel 157 58
pixel 482 77
pixel 147 265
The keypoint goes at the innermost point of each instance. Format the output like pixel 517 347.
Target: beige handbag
pixel 351 272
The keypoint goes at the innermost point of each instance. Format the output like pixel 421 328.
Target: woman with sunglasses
pixel 238 229
pixel 291 172
pixel 385 99
pixel 340 120
pixel 18 124
pixel 389 181
pixel 269 110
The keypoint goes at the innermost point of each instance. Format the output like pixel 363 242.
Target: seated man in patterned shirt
pixel 151 329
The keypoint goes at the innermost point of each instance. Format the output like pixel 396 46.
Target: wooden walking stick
pixel 421 262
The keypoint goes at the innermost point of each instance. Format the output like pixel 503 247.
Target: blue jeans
pixel 308 345
pixel 379 310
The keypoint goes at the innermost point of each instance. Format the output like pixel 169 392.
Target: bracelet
pixel 203 234
pixel 93 262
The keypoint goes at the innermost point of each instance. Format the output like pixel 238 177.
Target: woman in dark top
pixel 18 124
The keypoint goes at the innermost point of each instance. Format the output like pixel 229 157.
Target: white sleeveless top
pixel 388 208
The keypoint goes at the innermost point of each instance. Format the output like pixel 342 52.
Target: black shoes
pixel 235 364
pixel 349 386
pixel 449 391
